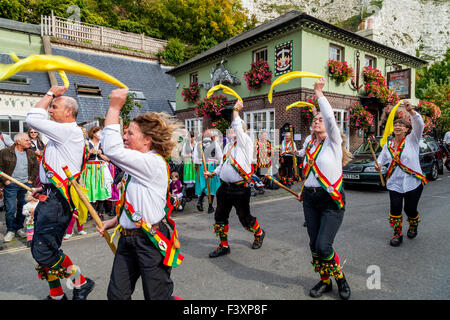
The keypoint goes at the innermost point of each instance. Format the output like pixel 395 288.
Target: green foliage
pixel 197 24
pixel 433 84
pixel 173 53
pixel 12 9
pixel 129 105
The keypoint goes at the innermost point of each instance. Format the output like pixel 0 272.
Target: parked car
pixel 361 171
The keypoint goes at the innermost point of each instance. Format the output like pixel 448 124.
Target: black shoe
pixel 210 209
pixel 82 293
pixel 257 243
pixel 220 251
pixel 51 299
pixel 396 241
pixel 319 288
pixel 343 288
pixel 412 232
pixel 199 206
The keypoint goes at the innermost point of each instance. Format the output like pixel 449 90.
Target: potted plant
pixel 258 74
pixel 340 71
pixel 192 93
pixel 211 107
pixel 359 117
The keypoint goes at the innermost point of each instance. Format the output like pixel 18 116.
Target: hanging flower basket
pixel 306 113
pixel 192 93
pixel 430 114
pixel 339 71
pixel 359 117
pixel 211 107
pixel 376 87
pixel 258 74
pixel 222 125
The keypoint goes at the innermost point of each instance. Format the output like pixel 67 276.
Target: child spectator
pixel 69 230
pixel 175 191
pixel 28 212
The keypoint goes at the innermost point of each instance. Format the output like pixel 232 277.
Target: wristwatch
pixel 51 94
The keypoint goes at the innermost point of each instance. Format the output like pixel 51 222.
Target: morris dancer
pixel 263 153
pixel 146 248
pixel 323 195
pixel 405 179
pixel 213 156
pixel 287 154
pixel 235 176
pixel 54 211
pixel 189 168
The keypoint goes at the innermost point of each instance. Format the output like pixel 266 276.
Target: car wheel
pixel 434 173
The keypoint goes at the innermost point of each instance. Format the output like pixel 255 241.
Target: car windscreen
pixel 364 148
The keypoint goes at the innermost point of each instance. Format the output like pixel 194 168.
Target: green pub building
pixel 293 42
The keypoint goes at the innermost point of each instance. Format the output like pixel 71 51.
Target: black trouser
pixel 136 257
pixel 51 219
pixel 411 199
pixel 287 167
pixel 323 219
pixel 230 195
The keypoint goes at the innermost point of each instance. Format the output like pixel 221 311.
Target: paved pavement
pixel 281 268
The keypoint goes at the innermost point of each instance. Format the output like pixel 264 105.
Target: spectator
pixel 36 143
pixel 28 212
pixel 5 141
pixel 96 176
pixel 447 137
pixel 176 191
pixel 69 231
pixel 22 165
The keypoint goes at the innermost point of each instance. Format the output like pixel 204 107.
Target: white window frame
pixel 368 58
pixel 22 124
pixel 259 51
pixel 343 123
pixel 194 123
pixel 341 49
pixel 251 125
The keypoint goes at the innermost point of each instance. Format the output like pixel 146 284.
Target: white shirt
pixel 284 145
pixel 447 137
pixel 147 189
pixel 65 145
pixel 400 181
pixel 242 153
pixel 207 151
pixel 329 159
pixel 188 150
pixel 6 142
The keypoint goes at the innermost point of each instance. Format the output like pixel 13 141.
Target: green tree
pixel 433 84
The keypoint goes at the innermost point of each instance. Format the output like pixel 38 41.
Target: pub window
pixel 89 90
pixel 336 52
pixel 370 61
pixel 260 55
pixel 193 77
